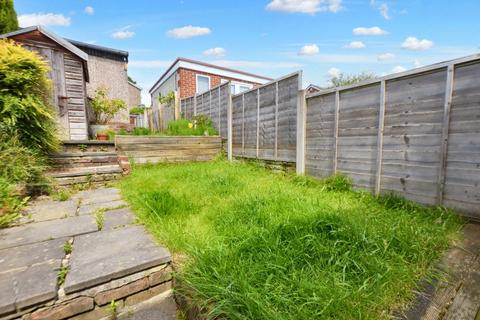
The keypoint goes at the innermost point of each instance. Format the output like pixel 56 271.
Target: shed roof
pixel 100 51
pixel 55 38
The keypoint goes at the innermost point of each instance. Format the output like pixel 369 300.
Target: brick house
pixel 187 77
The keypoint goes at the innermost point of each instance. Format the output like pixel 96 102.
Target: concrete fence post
pixel 301 132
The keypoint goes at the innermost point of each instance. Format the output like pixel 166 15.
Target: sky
pixel 268 37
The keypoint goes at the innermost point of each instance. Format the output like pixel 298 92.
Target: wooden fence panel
pixel 266 132
pixel 358 117
pixel 412 135
pixel 320 136
pixel 288 91
pixel 250 125
pixel 237 125
pixel 462 177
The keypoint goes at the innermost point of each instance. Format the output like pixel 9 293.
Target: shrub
pixel 25 97
pixel 137 110
pixel 104 107
pixel 10 202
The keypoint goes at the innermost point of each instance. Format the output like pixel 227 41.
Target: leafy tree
pixel 104 107
pixel 8 17
pixel 346 79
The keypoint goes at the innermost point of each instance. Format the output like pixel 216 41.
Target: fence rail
pixel 416 133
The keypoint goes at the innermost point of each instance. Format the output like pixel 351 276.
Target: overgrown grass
pixel 266 246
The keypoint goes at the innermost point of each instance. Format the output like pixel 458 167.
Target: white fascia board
pixel 212 70
pixel 221 72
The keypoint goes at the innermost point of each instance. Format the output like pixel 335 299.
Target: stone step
pixel 86 159
pixel 79 175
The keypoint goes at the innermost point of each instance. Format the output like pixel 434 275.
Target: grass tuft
pixel 267 246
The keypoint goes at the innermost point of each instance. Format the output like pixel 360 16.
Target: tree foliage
pixel 167 99
pixel 346 79
pixel 8 17
pixel 25 98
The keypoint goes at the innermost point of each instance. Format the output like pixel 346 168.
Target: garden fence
pixel 415 133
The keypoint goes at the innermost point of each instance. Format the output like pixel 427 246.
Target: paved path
pixel 107 245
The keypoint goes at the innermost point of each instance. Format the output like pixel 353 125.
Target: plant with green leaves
pixel 25 98
pixel 8 17
pixel 137 110
pixel 168 99
pixel 104 107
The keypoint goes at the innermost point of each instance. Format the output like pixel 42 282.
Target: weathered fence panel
pixel 213 103
pixel 264 120
pixel 416 134
pixel 154 149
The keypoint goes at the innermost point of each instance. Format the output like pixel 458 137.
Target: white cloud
pixel 334 72
pixel 188 32
pixel 89 10
pixel 383 8
pixel 373 31
pixel 305 6
pixel 355 45
pixel 398 69
pixel 216 52
pixel 417 63
pixel 386 56
pixel 44 19
pixel 149 64
pixel 123 34
pixel 309 50
pixel 413 43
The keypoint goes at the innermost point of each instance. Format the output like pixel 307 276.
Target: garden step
pixel 83 171
pixel 87 159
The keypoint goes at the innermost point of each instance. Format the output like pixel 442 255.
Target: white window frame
pixel 240 84
pixel 196 82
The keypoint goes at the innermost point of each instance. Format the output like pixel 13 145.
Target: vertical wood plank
pixel 219 111
pixel 276 122
pixel 381 125
pixel 243 124
pixel 195 105
pixel 301 127
pixel 210 105
pixel 258 120
pixel 445 124
pixel 229 126
pixel 335 131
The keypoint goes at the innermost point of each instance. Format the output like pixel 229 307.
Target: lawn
pixel 259 245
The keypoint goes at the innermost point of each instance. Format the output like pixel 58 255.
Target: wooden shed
pixel 69 73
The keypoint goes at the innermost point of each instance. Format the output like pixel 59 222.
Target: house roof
pixel 194 64
pixel 55 38
pixel 96 50
pixel 134 85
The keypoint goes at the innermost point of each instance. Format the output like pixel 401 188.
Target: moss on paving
pixel 266 246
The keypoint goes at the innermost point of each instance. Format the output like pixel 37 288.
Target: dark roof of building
pixel 100 51
pixel 206 65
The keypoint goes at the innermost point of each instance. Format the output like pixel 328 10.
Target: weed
pixel 113 309
pixel 82 147
pixel 62 195
pixel 67 247
pixel 62 274
pixel 100 218
pixel 338 183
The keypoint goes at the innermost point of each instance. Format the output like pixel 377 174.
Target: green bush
pixel 104 107
pixel 11 202
pixel 25 97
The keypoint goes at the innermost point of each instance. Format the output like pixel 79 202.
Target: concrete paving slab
pixel 96 193
pixel 93 207
pixel 100 198
pixel 46 230
pixel 102 256
pixel 37 284
pixel 7 294
pixel 25 256
pixel 50 210
pixel 118 218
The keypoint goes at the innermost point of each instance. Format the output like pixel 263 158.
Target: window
pixel 203 83
pixel 244 88
pixel 238 87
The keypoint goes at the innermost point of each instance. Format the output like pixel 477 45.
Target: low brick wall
pixel 95 303
pixel 154 149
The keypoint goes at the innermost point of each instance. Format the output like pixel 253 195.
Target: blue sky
pixel 268 37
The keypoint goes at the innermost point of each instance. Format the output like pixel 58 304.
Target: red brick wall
pixel 188 80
